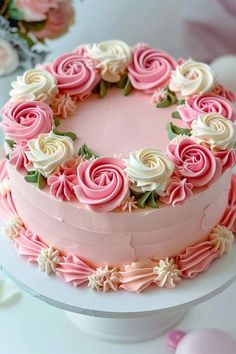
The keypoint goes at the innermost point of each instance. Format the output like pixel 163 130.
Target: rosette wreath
pixel 201 148
pixel 25 24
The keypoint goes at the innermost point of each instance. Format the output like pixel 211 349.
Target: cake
pixel 118 167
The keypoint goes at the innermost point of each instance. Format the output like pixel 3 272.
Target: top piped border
pixel 201 147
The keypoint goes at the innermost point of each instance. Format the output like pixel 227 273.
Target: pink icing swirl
pixel 26 120
pixel 229 218
pixel 220 90
pixel 150 68
pixel 194 162
pixel 227 158
pixel 194 106
pixel 63 106
pixel 62 184
pixel 102 184
pixel 73 270
pixel 18 158
pixel 76 75
pixel 137 276
pixel 196 259
pixel 29 245
pixel 178 191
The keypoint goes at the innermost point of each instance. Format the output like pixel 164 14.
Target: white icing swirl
pixel 5 186
pixel 149 169
pixel 13 227
pixel 112 58
pixel 168 275
pixel 221 238
pixel 104 279
pixel 48 260
pixel 9 59
pixel 215 130
pixel 192 78
pixel 34 84
pixel 49 151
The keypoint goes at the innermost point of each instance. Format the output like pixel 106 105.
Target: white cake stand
pixel 120 316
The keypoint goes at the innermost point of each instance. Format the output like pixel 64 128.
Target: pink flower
pixel 73 270
pixel 63 106
pixel 178 191
pixel 29 245
pixel 196 259
pixel 150 69
pixel 62 184
pixel 26 120
pixel 35 10
pixel 102 184
pixel 220 90
pixel 75 74
pixel 194 106
pixel 227 158
pixel 194 162
pixel 159 95
pixel 18 158
pixel 58 20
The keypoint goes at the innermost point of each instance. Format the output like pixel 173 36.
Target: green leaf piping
pixel 128 88
pixel 148 198
pixel 71 135
pixel 122 82
pixel 181 101
pixel 57 122
pixel 173 131
pixel 36 177
pixel 102 89
pixel 86 153
pixel 11 143
pixel 175 115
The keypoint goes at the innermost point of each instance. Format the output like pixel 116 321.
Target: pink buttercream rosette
pixel 203 104
pixel 102 184
pixel 18 158
pixel 62 184
pixel 26 120
pixel 194 162
pixel 76 75
pixel 177 192
pixel 150 69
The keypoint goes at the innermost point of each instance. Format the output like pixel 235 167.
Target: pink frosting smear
pixel 26 120
pixel 194 162
pixel 137 276
pixel 196 259
pixel 73 270
pixel 75 74
pixel 150 68
pixel 178 191
pixel 18 158
pixel 29 245
pixel 102 184
pixel 204 104
pixel 62 184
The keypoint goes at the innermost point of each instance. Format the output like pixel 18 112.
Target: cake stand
pixel 120 316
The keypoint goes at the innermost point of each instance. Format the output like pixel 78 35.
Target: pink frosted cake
pixel 118 167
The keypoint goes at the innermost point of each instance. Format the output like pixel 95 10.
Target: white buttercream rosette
pixel 149 170
pixel 112 58
pixel 9 59
pixel 192 78
pixel 34 84
pixel 214 130
pixel 49 151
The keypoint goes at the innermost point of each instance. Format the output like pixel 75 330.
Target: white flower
pixel 112 58
pixel 192 78
pixel 104 279
pixel 34 84
pixel 13 227
pixel 49 151
pixel 150 169
pixel 168 275
pixel 214 130
pixel 5 186
pixel 9 60
pixel 48 260
pixel 221 238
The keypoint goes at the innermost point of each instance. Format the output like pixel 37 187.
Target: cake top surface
pixel 120 128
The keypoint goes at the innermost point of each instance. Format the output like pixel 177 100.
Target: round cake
pixel 118 167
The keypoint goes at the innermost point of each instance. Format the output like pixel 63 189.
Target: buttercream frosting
pixel 5 186
pixel 64 106
pixel 34 84
pixel 29 245
pixel 48 259
pixel 62 184
pixel 18 158
pixel 104 279
pixel 191 78
pixel 112 58
pixel 13 227
pixel 178 191
pixel 166 273
pixel 221 238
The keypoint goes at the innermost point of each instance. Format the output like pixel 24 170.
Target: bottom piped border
pixel 134 277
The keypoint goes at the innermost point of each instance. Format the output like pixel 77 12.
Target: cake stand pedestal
pixel 121 316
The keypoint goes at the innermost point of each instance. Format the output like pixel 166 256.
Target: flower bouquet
pixel 24 26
